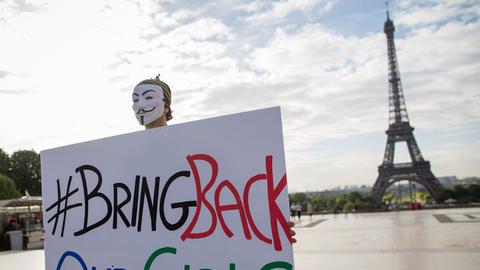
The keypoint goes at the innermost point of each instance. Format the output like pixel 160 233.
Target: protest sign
pixel 207 194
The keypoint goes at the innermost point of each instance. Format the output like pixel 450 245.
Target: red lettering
pixel 229 207
pixel 246 192
pixel 275 213
pixel 201 200
pixel 273 192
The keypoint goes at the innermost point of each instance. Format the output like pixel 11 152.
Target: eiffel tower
pixel 399 130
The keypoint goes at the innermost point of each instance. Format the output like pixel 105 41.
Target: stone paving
pixel 426 239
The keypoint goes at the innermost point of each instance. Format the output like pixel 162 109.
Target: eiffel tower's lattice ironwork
pixel 399 130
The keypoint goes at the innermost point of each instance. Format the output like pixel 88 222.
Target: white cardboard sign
pixel 208 194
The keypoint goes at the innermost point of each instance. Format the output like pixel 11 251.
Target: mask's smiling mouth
pixel 142 111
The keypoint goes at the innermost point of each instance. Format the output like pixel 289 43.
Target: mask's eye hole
pixel 148 98
pixel 135 100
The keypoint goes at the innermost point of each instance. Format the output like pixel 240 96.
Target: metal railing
pixel 403 165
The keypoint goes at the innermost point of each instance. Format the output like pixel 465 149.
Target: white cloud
pixel 326 82
pixel 458 158
pixel 202 29
pixel 438 64
pixel 4 74
pixel 328 6
pixel 435 11
pixel 162 20
pixel 72 66
pixel 279 10
pixel 165 21
pixel 253 6
pixel 12 8
pixel 183 15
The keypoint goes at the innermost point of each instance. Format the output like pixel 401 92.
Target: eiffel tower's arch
pixel 421 174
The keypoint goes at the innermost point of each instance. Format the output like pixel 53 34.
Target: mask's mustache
pixel 142 111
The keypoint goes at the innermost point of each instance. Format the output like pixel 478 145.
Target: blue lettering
pixel 79 259
pixel 73 255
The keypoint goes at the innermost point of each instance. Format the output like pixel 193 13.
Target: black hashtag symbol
pixel 66 207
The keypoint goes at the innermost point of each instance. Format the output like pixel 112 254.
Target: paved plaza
pixel 426 239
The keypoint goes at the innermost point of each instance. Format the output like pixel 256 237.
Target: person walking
pixel 310 209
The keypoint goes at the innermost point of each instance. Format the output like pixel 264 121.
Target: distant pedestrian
pixel 310 210
pixel 299 211
pixel 12 226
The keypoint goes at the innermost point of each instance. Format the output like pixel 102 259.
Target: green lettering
pixel 276 265
pixel 157 253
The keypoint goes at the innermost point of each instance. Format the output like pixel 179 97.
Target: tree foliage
pixel 462 193
pixel 25 171
pixel 354 196
pixel 329 202
pixel 4 162
pixel 361 201
pixel 388 197
pixel 8 190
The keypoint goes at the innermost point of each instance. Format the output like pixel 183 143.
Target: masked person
pixel 152 99
pixel 151 103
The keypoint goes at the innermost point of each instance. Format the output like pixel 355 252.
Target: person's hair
pixel 167 93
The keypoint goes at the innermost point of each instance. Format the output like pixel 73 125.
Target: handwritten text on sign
pixel 222 207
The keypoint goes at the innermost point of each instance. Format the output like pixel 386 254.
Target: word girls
pixel 148 265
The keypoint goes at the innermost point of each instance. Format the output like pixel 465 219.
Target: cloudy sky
pixel 67 69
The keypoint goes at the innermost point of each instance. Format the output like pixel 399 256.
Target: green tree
pixel 4 162
pixel 462 194
pixel 446 194
pixel 349 207
pixel 354 196
pixel 331 202
pixel 423 195
pixel 388 196
pixel 340 201
pixel 300 198
pixel 319 202
pixel 25 171
pixel 475 192
pixel 8 190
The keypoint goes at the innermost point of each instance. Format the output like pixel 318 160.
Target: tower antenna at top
pixel 388 13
